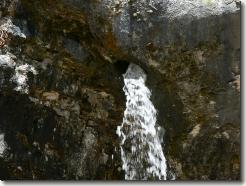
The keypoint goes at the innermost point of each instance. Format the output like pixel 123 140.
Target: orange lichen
pixel 110 42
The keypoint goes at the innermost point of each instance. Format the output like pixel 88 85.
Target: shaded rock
pixel 75 49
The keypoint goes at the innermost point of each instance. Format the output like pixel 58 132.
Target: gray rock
pixel 75 49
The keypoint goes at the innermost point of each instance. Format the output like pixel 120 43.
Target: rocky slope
pixel 61 66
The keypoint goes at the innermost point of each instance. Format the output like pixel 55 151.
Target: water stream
pixel 141 151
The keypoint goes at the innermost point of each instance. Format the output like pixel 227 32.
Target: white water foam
pixel 141 151
pixel 3 145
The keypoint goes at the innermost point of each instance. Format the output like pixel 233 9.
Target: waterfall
pixel 141 151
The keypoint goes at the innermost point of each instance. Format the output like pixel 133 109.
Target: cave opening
pixel 121 66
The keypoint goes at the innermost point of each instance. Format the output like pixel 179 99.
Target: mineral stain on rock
pixel 62 98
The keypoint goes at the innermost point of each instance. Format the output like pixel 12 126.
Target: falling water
pixel 141 150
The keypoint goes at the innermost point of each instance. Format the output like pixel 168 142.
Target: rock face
pixel 61 66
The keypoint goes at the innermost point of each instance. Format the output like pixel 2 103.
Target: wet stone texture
pixel 61 98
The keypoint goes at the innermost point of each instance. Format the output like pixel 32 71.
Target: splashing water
pixel 141 150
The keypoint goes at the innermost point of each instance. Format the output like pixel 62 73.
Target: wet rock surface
pixel 59 114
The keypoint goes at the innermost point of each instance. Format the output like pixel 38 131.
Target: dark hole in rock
pixel 121 66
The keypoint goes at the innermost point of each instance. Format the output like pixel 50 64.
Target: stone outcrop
pixel 61 66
